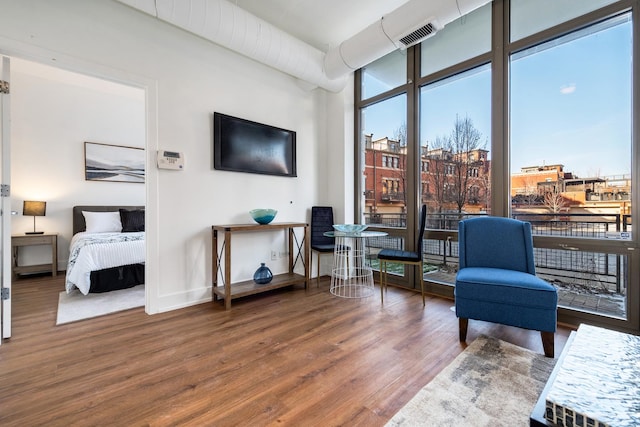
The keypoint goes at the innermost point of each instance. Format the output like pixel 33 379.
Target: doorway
pixel 54 112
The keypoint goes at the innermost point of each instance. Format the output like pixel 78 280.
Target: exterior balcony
pixel 393 196
pixel 369 194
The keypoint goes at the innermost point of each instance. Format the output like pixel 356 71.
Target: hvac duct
pixel 234 28
pixel 409 24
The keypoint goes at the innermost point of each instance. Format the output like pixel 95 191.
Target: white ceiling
pixel 321 23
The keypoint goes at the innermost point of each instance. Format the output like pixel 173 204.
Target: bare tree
pixel 486 183
pixel 465 138
pixel 530 190
pixel 400 135
pixel 553 200
pixel 451 162
pixel 438 158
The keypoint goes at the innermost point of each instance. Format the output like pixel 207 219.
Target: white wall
pixel 186 79
pixel 53 113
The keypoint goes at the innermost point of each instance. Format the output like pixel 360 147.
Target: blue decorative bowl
pixel 350 228
pixel 263 216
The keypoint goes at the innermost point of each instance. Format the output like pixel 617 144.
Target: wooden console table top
pixel 258 227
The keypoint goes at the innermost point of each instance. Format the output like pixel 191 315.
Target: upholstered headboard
pixel 78 219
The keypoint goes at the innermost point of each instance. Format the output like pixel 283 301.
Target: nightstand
pixel 50 239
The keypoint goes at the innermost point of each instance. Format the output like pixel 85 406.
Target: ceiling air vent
pixel 419 35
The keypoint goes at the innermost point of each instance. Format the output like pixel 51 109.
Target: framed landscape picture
pixel 104 162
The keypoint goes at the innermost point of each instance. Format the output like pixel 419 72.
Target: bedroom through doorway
pixel 49 161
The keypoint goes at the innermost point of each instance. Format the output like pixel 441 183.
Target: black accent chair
pixel 404 257
pixel 321 222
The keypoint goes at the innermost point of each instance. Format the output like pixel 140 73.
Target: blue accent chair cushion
pixel 507 297
pixel 496 281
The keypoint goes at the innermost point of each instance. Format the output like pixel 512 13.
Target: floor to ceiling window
pixel 534 123
pixel 382 151
pixel 455 130
pixel 571 160
pixel 452 175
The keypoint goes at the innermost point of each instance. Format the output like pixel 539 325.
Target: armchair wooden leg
pixel 548 343
pixel 463 324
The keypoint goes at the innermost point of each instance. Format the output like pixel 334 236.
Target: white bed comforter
pixel 95 251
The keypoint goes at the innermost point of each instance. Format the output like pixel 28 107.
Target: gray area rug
pixel 75 306
pixel 491 383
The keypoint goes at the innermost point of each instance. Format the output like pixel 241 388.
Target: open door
pixel 5 201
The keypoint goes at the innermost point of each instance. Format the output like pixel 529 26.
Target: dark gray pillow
pixel 132 221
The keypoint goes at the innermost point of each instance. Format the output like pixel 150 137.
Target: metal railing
pixel 392 196
pixel 575 225
pixel 593 271
pixel 398 220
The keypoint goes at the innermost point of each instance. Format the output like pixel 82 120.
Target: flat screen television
pixel 244 146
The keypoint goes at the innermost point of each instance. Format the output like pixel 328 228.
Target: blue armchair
pixel 497 281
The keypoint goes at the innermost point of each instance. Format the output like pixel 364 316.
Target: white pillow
pixel 102 222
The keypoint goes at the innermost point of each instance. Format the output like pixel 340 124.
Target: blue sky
pixel 570 104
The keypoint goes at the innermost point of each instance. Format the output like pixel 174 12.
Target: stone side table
pixel 598 381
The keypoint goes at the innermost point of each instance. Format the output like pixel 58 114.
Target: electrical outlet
pixel 274 255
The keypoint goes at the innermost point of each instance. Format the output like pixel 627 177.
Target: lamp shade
pixel 31 208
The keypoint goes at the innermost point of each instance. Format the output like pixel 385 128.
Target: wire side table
pixel 351 275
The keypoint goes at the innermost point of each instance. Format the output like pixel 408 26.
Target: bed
pixel 107 249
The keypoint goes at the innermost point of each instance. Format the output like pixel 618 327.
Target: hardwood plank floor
pixel 290 357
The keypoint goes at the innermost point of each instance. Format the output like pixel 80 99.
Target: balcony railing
pixel 585 276
pixel 576 225
pixel 398 220
pixel 392 196
pixel 606 197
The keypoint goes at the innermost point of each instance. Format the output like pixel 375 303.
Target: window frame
pixel 628 248
pixel 499 59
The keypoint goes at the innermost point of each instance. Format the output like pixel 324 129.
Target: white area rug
pixel 75 306
pixel 491 383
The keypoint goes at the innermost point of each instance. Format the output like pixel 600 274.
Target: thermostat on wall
pixel 170 160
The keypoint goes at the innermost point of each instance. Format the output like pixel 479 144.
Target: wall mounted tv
pixel 244 146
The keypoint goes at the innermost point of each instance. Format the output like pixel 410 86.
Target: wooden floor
pixel 291 357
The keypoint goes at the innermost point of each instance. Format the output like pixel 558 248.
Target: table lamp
pixel 31 208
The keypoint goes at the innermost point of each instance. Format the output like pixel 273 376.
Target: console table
pixel 229 291
pixel 594 382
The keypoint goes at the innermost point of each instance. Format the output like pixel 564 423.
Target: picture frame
pixel 115 163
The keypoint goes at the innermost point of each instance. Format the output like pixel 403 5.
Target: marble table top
pixel 598 383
